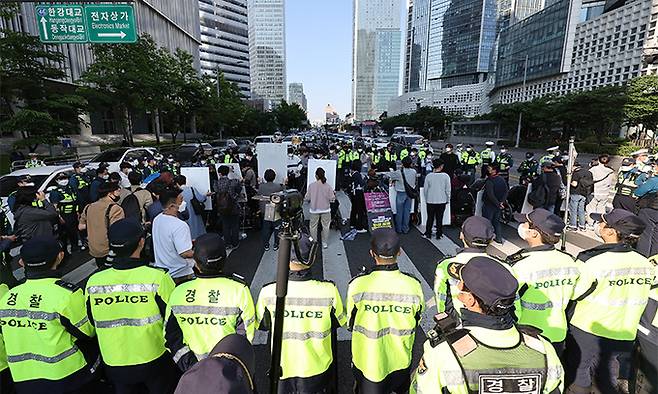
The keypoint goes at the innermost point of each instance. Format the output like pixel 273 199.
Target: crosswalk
pixel 342 260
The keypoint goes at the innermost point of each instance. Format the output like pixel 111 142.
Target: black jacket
pixel 32 222
pixel 583 180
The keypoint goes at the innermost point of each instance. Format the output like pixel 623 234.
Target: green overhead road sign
pixel 111 23
pixel 101 24
pixel 61 23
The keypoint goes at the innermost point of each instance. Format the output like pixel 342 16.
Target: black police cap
pixel 547 222
pixel 124 235
pixel 39 253
pixel 478 231
pixel 210 251
pixel 385 243
pixel 489 280
pixel 625 222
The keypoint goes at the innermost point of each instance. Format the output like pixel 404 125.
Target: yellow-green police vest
pixel 518 363
pixel 227 159
pixel 612 291
pixel 470 158
pixel 311 307
pixel 3 353
pixel 384 307
pixel 404 153
pixel 67 204
pixel 208 309
pixel 626 182
pixel 445 286
pixel 486 156
pixel 389 156
pixel 37 343
pixel 341 158
pixel 422 154
pixel 547 278
pixel 124 308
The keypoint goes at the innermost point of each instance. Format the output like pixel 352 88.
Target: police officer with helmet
pixel 476 234
pixel 46 332
pixel 314 311
pixel 65 200
pixel 546 276
pixel 528 168
pixel 126 303
pixel 384 306
pixel 204 310
pixel 610 297
pixel 489 354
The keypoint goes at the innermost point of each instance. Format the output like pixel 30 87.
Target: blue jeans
pixel 403 213
pixel 577 210
pixel 268 229
pixel 493 214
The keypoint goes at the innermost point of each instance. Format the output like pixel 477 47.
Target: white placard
pixel 199 179
pixel 423 210
pixel 479 202
pixel 329 167
pixel 274 156
pixel 527 208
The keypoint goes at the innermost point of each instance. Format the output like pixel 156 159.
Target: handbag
pixel 411 192
pixel 197 205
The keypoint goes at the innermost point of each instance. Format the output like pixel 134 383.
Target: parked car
pixel 222 145
pixel 400 141
pixel 244 145
pixel 114 157
pixel 264 139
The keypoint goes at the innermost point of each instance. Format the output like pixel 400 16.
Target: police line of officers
pixel 502 326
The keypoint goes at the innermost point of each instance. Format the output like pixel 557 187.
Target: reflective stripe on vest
pixel 44 359
pixel 386 297
pixel 123 288
pixel 383 332
pixel 125 322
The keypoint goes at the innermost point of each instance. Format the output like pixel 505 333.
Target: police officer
pixel 469 159
pixel 46 332
pixel 546 276
pixel 79 182
pixel 611 294
pixel 487 156
pixel 34 161
pixel 404 152
pixel 6 384
pixel 476 234
pixel 385 306
pixel 645 374
pixel 528 169
pixel 313 313
pixel 151 168
pixel 489 354
pixel 505 163
pixel 390 157
pixel 65 200
pixel 204 310
pixel 647 194
pixel 626 185
pixel 551 153
pixel 126 304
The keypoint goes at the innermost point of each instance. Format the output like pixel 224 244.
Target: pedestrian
pixel 65 200
pixel 126 303
pixel 437 191
pixel 404 182
pixel 603 178
pixel 47 337
pixel 172 239
pixel 490 350
pixel 610 296
pixel 647 192
pixel 495 196
pixel 320 195
pixel 385 306
pixel 545 188
pixel 450 160
pixel 125 168
pixel 229 368
pixel 140 201
pixel 34 216
pixel 222 303
pixel 270 224
pixel 228 209
pixel 477 233
pixel 102 175
pixel 97 218
pixel 195 220
pixel 313 313
pixel 358 212
pixel 581 186
pixel 547 276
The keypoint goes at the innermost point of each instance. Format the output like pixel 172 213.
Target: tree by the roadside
pixel 641 110
pixel 290 116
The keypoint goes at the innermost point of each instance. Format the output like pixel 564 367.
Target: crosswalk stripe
pixel 345 205
pixel 407 266
pixel 265 273
pixel 337 269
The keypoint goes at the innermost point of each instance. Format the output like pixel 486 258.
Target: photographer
pixel 489 350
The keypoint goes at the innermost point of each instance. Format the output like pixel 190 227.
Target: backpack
pixel 539 195
pixel 131 207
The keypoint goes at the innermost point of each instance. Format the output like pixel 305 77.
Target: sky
pixel 319 53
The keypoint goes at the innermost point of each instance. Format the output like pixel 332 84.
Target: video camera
pixel 287 206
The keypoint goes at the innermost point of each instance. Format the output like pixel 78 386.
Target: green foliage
pixel 642 106
pixel 424 121
pixel 290 116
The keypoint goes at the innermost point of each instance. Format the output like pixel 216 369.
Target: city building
pixel 225 41
pixel 331 117
pixel 376 51
pixel 267 49
pixel 296 95
pixel 171 24
pixel 407 47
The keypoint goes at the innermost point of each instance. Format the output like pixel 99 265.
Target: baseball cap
pixel 26 179
pixel 210 252
pixel 39 253
pixel 625 222
pixel 478 231
pixel 123 236
pixel 547 222
pixel 385 243
pixel 489 280
pixel 639 152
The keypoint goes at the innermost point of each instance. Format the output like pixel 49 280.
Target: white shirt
pixel 171 237
pixel 437 188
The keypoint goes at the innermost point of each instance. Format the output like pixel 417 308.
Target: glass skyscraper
pixel 267 49
pixel 377 40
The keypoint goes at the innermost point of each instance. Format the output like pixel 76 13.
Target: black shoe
pixel 276 247
pixel 439 236
pixel 427 236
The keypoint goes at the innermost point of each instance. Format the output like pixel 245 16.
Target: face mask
pixel 503 151
pixel 413 153
pixel 448 150
pixel 106 177
pixel 135 163
pixel 114 197
pixel 170 160
pixel 429 157
pixel 63 182
pixel 182 206
pixel 290 155
pixel 203 162
pixel 597 230
pixel 83 170
pixel 522 231
pixel 468 149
